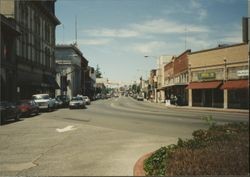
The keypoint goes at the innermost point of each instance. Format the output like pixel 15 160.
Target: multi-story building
pixel 152 85
pixel 176 78
pixel 169 78
pixel 8 64
pixel 71 66
pixel 219 77
pixel 89 82
pixel 180 66
pixel 35 47
pixel 162 61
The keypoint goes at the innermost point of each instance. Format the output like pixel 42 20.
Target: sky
pixel 117 34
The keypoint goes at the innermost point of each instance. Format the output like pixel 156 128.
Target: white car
pixel 86 98
pixel 77 102
pixel 44 101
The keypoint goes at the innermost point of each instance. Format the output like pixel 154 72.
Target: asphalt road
pixel 105 139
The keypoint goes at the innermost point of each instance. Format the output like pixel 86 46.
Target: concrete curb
pixel 138 167
pixel 209 109
pixel 194 108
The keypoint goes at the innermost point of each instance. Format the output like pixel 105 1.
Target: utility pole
pixel 76 30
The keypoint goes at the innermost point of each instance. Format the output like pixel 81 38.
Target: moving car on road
pixel 8 110
pixel 77 102
pixel 28 107
pixel 44 101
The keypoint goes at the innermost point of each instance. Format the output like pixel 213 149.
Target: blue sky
pixel 117 34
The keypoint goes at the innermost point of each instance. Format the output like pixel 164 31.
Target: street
pixel 106 138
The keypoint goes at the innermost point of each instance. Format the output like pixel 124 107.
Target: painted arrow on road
pixel 68 128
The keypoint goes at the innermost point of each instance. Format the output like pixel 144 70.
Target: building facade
pixel 162 61
pixel 8 63
pixel 181 78
pixel 35 47
pixel 152 85
pixel 90 82
pixel 169 79
pixel 71 66
pixel 218 77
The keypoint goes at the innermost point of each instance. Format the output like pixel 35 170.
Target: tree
pixel 98 72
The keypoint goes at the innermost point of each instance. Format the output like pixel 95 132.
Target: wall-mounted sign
pixel 242 72
pixel 206 75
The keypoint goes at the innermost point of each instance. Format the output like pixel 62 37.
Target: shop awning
pixel 50 80
pixel 204 85
pixel 237 84
pixel 173 85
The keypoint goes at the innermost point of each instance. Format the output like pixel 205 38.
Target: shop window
pixel 197 97
pixel 218 98
pixel 238 99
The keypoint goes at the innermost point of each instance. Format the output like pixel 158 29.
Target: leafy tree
pixel 98 72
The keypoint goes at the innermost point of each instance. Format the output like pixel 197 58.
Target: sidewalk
pixel 244 111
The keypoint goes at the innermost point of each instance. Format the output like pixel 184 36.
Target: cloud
pixel 162 26
pixel 155 26
pixel 193 8
pixel 156 48
pixel 198 9
pixel 112 32
pixel 94 41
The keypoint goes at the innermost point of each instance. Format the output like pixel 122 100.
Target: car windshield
pixel 40 97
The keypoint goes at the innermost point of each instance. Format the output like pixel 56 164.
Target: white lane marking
pixel 65 129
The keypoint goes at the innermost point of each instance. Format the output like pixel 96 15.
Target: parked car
pixel 140 97
pixel 44 101
pixel 86 98
pixel 28 107
pixel 65 100
pixel 77 102
pixel 59 102
pixel 8 110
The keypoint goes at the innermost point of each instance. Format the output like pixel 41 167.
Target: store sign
pixel 242 73
pixel 207 75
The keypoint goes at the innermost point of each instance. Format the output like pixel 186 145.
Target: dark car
pixel 65 100
pixel 8 110
pixel 28 107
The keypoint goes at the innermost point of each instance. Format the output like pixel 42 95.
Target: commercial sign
pixel 206 75
pixel 242 72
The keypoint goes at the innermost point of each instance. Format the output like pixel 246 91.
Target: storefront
pixel 218 77
pixel 206 94
pixel 237 93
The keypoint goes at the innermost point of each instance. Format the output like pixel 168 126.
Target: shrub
pixel 220 150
